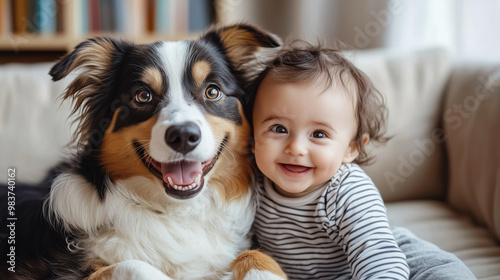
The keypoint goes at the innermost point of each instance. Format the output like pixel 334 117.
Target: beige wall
pixel 355 24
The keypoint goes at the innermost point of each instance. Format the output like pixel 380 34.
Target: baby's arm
pixel 363 231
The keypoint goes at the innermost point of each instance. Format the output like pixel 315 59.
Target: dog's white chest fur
pixel 197 237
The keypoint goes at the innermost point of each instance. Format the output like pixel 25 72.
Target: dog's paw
pixel 137 270
pixel 255 265
pixel 255 274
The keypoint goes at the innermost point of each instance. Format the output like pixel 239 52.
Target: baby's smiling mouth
pixel 295 168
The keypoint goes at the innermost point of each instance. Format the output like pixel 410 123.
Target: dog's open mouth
pixel 181 179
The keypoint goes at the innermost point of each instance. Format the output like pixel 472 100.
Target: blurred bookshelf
pixel 41 30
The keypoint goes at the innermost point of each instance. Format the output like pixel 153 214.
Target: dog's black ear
pixel 94 55
pixel 95 58
pixel 247 47
pixel 95 62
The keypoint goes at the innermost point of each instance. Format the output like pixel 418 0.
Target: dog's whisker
pixel 145 157
pixel 228 149
pixel 142 151
pixel 124 149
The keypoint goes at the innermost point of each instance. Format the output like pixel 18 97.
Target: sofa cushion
pixel 436 222
pixel 412 164
pixel 472 125
pixel 33 123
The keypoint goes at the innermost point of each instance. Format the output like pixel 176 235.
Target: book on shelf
pixel 200 15
pixel 80 18
pixel 94 10
pixel 20 16
pixel 45 16
pixel 163 15
pixel 29 16
pixel 139 17
pixel 5 17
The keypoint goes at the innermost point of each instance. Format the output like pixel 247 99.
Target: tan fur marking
pixel 254 259
pixel 152 76
pixel 200 71
pixel 97 57
pixel 118 152
pixel 101 272
pixel 231 174
pixel 238 43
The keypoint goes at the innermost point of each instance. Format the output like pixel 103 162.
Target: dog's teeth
pixel 176 187
pixel 170 181
pixel 198 179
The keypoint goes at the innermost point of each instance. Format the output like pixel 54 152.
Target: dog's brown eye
pixel 213 93
pixel 143 97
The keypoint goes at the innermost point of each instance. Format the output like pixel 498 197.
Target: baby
pixel 320 216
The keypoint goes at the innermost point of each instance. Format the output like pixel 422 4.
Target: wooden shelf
pixel 12 44
pixel 34 42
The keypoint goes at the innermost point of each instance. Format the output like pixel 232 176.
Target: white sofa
pixel 439 174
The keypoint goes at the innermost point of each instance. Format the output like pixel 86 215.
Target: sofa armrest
pixel 471 121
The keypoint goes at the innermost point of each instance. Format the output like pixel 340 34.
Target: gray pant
pixel 429 262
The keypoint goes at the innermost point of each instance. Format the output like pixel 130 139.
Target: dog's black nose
pixel 183 138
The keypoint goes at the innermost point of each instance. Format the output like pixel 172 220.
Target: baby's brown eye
pixel 279 129
pixel 143 97
pixel 213 93
pixel 319 134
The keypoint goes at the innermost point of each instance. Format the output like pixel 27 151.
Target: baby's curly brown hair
pixel 300 62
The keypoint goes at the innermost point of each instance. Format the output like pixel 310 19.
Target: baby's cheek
pixel 261 144
pixel 329 163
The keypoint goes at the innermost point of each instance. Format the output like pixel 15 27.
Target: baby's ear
pixel 352 150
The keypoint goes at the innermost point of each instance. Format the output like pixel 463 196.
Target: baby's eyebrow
pixel 273 118
pixel 326 125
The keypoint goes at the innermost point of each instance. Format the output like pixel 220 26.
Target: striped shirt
pixel 337 232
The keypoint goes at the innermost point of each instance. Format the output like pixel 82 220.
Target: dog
pixel 160 184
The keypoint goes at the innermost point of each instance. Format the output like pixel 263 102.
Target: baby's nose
pixel 296 146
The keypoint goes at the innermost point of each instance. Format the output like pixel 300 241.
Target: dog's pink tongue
pixel 181 173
